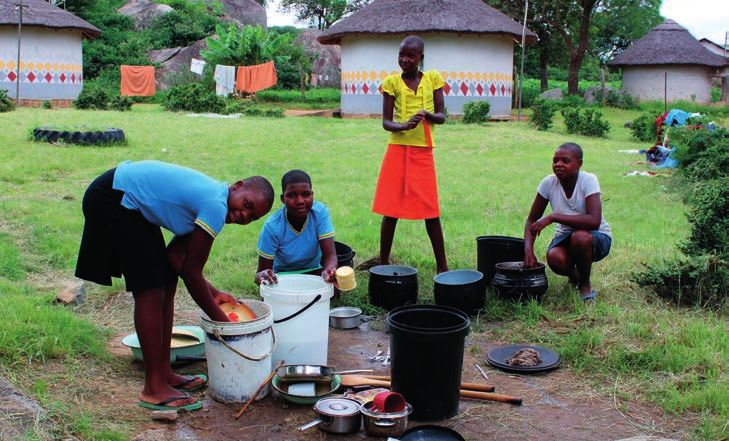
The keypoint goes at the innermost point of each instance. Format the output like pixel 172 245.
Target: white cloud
pixel 278 18
pixel 703 18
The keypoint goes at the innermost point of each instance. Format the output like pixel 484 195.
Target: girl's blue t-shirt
pixel 172 196
pixel 293 250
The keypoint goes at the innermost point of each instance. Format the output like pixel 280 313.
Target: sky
pixel 703 18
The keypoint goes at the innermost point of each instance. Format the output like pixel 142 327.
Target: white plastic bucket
pixel 239 354
pixel 300 304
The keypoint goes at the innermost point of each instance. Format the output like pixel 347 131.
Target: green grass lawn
pixel 629 343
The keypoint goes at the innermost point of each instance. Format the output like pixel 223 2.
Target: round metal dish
pixel 345 317
pixel 324 386
pixel 497 358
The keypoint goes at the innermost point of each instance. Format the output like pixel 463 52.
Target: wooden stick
pixel 253 398
pixel 466 386
pixel 358 380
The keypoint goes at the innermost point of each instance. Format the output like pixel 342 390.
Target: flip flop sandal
pixel 590 297
pixel 181 386
pixel 163 405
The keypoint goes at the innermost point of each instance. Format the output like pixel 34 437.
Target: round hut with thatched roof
pixel 51 63
pixel 470 43
pixel 668 64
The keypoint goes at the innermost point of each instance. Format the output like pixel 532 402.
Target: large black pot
pixel 460 289
pixel 513 281
pixel 496 249
pixel 391 286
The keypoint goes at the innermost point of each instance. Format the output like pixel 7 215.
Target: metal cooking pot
pixel 461 289
pixel 336 415
pixel 391 286
pixel 346 317
pixel 384 424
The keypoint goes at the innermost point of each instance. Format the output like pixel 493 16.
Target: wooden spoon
pixel 358 380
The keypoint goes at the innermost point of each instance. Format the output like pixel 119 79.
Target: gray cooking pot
pixel 336 415
pixel 384 424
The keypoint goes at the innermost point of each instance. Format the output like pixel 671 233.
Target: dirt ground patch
pixel 557 405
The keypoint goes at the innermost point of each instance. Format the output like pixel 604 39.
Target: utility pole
pixel 19 6
pixel 521 75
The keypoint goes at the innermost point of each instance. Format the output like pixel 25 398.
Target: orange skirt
pixel 407 186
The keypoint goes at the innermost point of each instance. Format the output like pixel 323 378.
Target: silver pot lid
pixel 337 406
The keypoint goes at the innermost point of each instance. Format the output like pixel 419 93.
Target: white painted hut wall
pixel 51 64
pixel 474 68
pixel 689 83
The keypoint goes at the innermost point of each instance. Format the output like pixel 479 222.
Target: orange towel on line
pixel 254 78
pixel 137 80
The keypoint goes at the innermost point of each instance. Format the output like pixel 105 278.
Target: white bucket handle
pixel 316 299
pixel 263 357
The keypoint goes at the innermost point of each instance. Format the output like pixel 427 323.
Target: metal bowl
pixel 324 386
pixel 345 317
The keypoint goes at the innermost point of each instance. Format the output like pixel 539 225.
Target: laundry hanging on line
pixel 251 79
pixel 197 66
pixel 224 79
pixel 137 80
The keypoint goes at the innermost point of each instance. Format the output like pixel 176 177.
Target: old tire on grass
pixel 109 135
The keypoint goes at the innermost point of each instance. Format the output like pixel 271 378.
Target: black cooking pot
pixel 513 281
pixel 461 289
pixel 391 286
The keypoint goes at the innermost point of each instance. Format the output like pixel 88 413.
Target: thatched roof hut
pixel 668 63
pixel 469 42
pixel 41 14
pixel 398 17
pixel 50 67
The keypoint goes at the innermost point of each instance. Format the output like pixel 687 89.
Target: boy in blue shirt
pixel 125 210
pixel 299 237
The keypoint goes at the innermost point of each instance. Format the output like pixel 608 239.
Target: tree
pixel 254 45
pixel 616 24
pixel 620 22
pixel 321 13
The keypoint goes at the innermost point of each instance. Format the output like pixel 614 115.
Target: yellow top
pixel 408 103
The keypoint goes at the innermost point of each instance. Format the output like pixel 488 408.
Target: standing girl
pixel 412 105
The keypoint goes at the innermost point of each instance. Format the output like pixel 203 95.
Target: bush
pixel 700 281
pixel 47 105
pixel 571 101
pixel 542 113
pixel 587 123
pixel 644 128
pixel 703 154
pixel 92 98
pixel 709 219
pixel 6 104
pixel 476 112
pixel 121 103
pixel 193 97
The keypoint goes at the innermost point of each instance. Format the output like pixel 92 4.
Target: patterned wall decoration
pixel 41 73
pixel 456 83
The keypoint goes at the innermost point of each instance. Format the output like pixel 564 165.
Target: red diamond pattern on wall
pixel 479 89
pixel 447 89
pixel 48 77
pixel 365 89
pixel 62 78
pixel 31 77
pixel 12 76
pixel 492 89
pixel 464 89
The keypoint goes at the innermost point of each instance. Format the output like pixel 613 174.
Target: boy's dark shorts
pixel 600 246
pixel 119 241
